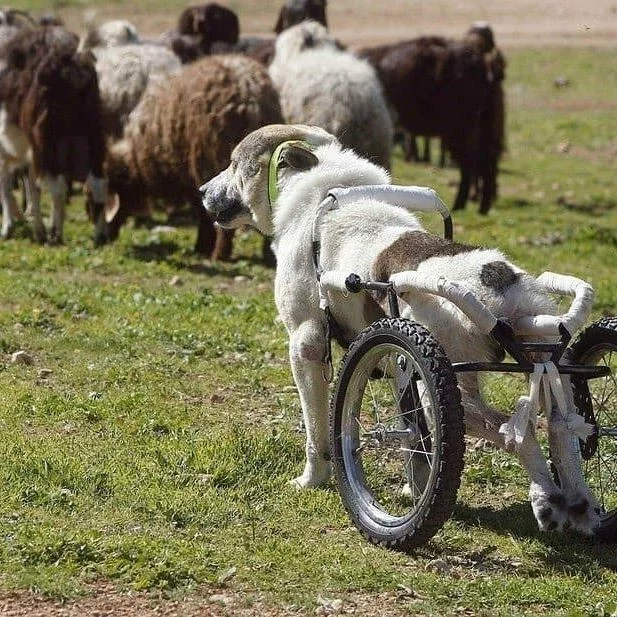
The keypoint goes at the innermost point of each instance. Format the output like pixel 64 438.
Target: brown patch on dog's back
pixel 410 250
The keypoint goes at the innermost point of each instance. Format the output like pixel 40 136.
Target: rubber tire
pixel 602 333
pixel 419 525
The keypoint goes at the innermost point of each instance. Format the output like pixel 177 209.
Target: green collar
pixel 275 159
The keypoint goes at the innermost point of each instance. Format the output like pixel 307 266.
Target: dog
pixel 375 240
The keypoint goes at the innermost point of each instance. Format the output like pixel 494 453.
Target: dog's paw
pixel 550 510
pixel 312 477
pixel 584 514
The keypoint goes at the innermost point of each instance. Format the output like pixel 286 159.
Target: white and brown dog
pixel 375 239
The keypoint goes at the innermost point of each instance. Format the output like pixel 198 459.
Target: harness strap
pixel 328 373
pixel 545 380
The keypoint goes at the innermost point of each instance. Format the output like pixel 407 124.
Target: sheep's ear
pixel 280 23
pixel 298 157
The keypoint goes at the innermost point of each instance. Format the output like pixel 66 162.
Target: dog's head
pixel 244 193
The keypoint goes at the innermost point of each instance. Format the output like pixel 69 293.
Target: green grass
pixel 156 452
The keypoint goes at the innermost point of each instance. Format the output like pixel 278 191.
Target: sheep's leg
pixel 426 155
pixel 7 208
pixel 223 244
pixel 58 189
pixel 548 502
pixel 583 507
pixel 97 197
pixel 474 189
pixel 306 349
pixel 489 187
pixel 10 210
pixel 443 151
pixel 30 191
pixel 206 232
pixel 268 256
pixel 410 147
pixel 33 210
pixel 463 189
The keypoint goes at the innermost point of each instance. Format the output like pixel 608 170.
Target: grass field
pixel 150 441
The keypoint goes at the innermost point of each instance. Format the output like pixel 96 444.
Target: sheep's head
pixel 294 12
pixel 122 196
pixel 245 192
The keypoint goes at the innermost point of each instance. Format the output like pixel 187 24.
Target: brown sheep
pixel 50 115
pixel 182 133
pixel 444 88
pixel 202 26
pixel 480 35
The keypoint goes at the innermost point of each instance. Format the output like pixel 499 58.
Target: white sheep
pixel 322 85
pixel 109 34
pixel 124 73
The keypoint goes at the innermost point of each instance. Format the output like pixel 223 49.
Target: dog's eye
pixel 253 170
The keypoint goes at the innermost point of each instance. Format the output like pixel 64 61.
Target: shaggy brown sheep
pixel 50 113
pixel 182 133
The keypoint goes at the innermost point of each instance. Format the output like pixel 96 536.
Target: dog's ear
pixel 297 156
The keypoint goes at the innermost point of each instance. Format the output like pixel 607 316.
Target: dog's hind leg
pixel 548 502
pixel 583 508
pixel 306 353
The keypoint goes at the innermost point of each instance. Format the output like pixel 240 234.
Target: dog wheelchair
pixel 396 419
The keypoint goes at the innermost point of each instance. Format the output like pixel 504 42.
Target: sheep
pixel 184 130
pixel 322 85
pixel 211 28
pixel 291 13
pixel 294 12
pixel 49 119
pixel 212 22
pixel 480 35
pixel 202 27
pixel 124 73
pixel 109 34
pixel 442 87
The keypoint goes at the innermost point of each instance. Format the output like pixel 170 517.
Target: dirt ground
pixel 517 23
pixel 365 22
pixel 105 601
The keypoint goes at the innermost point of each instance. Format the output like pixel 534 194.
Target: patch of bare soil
pixel 106 601
pixel 366 22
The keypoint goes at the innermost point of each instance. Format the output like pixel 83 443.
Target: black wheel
pixel 596 399
pixel 396 430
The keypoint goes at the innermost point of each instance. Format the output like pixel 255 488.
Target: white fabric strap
pixel 575 422
pixel 546 378
pixel 527 408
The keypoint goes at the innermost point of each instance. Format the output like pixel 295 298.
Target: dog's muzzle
pixel 222 207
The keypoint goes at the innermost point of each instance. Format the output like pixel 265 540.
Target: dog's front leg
pixel 306 353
